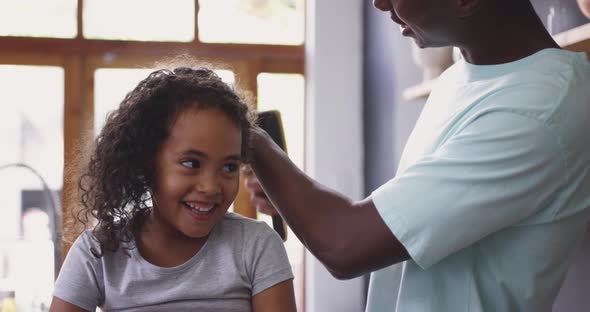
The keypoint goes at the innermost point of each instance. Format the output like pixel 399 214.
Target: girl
pixel 164 171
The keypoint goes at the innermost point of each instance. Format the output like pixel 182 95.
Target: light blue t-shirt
pixel 492 194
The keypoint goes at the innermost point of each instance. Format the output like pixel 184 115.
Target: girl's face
pixel 197 172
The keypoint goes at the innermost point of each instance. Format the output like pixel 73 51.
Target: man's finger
pixel 263 205
pixel 247 170
pixel 252 185
pixel 268 210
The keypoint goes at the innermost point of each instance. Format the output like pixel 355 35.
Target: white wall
pixel 334 147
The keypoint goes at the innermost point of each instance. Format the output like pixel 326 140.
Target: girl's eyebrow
pixel 193 152
pixel 234 157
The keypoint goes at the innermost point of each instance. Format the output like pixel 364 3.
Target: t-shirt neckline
pixel 181 267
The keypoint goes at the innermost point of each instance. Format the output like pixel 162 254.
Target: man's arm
pixel 349 238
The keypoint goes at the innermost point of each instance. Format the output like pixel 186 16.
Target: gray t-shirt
pixel 241 258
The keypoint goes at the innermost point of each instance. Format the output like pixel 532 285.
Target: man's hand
pixel 258 198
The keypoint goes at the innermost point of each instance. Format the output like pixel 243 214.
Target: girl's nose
pixel 208 184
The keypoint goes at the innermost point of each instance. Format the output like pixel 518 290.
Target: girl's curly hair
pixel 115 186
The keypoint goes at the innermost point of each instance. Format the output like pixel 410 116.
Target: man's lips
pixel 404 28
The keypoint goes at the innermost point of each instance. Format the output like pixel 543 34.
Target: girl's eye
pixel 230 168
pixel 193 164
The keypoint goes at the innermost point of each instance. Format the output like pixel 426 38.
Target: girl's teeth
pixel 200 209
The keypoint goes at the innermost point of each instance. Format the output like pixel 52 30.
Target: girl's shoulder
pixel 83 247
pixel 234 219
pixel 235 224
pixel 86 240
pixel 88 246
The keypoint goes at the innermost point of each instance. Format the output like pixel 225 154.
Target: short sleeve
pixel 265 258
pixel 498 170
pixel 80 278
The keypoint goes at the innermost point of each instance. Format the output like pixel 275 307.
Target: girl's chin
pixel 197 234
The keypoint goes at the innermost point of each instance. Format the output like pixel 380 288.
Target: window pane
pixel 110 87
pixel 141 20
pixel 251 21
pixel 38 18
pixel 31 124
pixel 112 84
pixel 285 93
pixel 226 75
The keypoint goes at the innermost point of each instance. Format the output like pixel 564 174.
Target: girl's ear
pixel 467 8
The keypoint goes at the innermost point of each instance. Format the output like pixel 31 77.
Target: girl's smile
pixel 200 210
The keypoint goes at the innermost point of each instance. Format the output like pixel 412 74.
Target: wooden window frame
pixel 80 57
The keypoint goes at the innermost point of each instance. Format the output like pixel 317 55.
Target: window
pixel 252 21
pixel 65 63
pixel 38 18
pixel 142 20
pixel 32 134
pixel 286 93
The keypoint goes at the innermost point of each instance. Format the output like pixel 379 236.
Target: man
pixel 491 197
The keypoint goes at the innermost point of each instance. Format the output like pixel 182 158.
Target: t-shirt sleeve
pixel 80 278
pixel 265 258
pixel 498 170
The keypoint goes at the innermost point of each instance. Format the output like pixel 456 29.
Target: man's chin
pixel 422 44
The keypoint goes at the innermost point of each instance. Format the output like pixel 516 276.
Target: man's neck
pixel 507 44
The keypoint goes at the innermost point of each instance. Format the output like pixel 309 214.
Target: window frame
pixel 80 57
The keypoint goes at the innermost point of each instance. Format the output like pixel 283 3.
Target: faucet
pixel 54 213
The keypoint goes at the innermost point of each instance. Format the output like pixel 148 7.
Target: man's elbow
pixel 347 262
pixel 344 273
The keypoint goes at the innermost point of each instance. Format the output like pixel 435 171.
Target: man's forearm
pixel 349 238
pixel 309 208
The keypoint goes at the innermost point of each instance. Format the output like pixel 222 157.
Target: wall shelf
pixel 576 39
pixel 421 90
